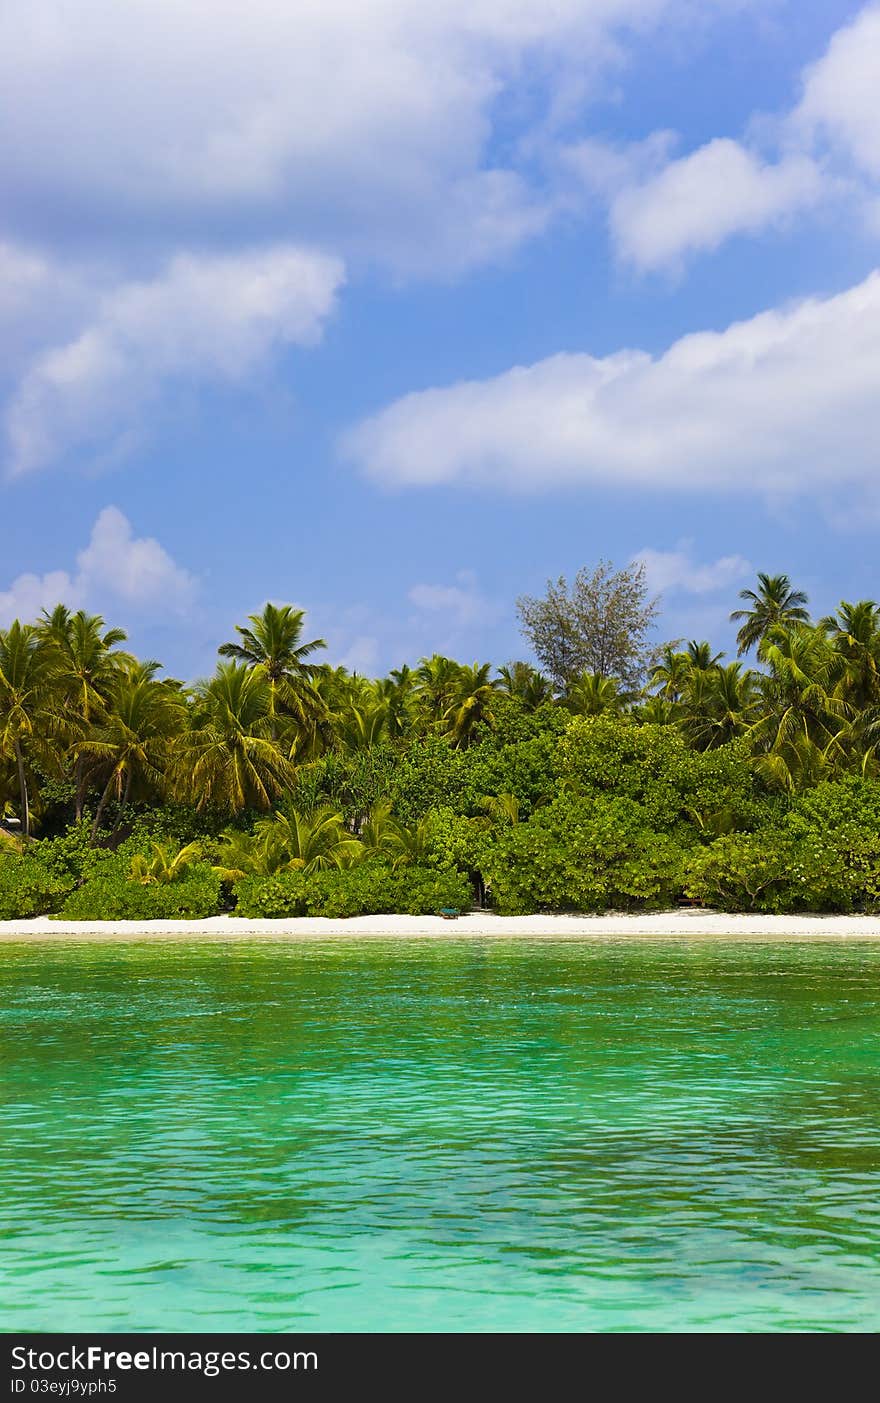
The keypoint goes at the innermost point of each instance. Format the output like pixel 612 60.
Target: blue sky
pixel 394 314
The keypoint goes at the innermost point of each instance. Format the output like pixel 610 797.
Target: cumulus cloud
pixel 828 143
pixel 115 567
pixel 166 162
pixel 366 122
pixel 839 103
pixel 702 199
pixel 211 317
pixel 676 571
pixel 784 403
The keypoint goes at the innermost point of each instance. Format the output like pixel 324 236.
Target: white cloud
pixel 115 567
pixel 39 299
pixel 462 605
pixel 676 571
pixel 168 151
pixel 840 98
pixel 826 146
pixel 700 200
pixel 784 403
pixel 214 317
pixel 363 123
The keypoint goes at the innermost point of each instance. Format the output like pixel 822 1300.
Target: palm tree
pixel 774 602
pixel 379 831
pixel 526 683
pixel 309 842
pixel 434 687
pixel 359 728
pixel 87 666
pixel 132 743
pixel 229 755
pixel 670 673
pixel 802 708
pixel 701 657
pixel 592 695
pixel 501 809
pixel 657 711
pixel 719 705
pixel 242 854
pixel 470 702
pixel 273 645
pixel 855 634
pixel 28 704
pixel 165 865
pixel 411 844
pixel 395 694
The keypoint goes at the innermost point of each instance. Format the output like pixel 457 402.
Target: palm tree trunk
pixel 102 804
pixel 22 784
pixel 126 794
pixel 79 782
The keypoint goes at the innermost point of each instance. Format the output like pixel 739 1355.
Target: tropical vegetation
pixel 283 785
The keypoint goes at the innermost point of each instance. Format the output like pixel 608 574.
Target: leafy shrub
pixel 29 888
pixel 369 888
pixel 111 895
pixel 653 765
pixel 770 871
pixel 584 855
pixel 823 854
pixel 71 856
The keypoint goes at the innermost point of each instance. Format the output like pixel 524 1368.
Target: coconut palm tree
pixel 130 747
pixel 801 698
pixel 166 863
pixel 592 695
pixel 88 665
pixel 719 704
pixel 700 656
pixel 526 683
pixel 309 842
pixel 29 703
pixel 471 695
pixel 670 672
pixel 229 756
pixel 380 831
pixel 272 644
pixel 435 681
pixel 395 694
pixel 501 809
pixel 411 844
pixel 855 634
pixel 242 854
pixel 657 711
pixel 358 728
pixel 773 602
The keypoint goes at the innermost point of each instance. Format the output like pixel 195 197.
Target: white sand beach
pixel 482 925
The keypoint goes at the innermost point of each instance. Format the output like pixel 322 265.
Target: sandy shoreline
pixel 477 926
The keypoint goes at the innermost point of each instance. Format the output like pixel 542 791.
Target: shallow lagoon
pixel 462 1135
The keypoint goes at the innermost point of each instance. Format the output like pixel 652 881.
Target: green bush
pixel 29 888
pixel 653 765
pixel 367 889
pixel 584 855
pixel 111 895
pixel 771 871
pixel 821 855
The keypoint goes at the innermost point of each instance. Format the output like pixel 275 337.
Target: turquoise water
pixel 449 1136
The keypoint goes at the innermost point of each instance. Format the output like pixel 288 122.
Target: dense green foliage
pixel 284 786
pixel 365 890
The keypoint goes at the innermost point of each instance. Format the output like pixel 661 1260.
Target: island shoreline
pixel 664 925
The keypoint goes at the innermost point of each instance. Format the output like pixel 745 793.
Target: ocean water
pixel 450 1135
